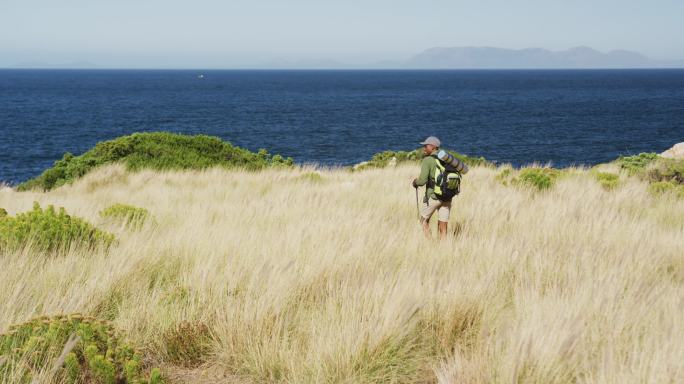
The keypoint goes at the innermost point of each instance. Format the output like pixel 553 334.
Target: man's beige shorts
pixel 443 209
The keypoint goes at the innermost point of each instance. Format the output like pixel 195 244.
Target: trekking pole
pixel 417 205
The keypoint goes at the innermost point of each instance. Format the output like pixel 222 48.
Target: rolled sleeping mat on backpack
pixel 447 158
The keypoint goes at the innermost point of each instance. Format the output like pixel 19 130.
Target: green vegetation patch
pixel 49 230
pixel 132 217
pixel 383 159
pixel 311 177
pixel 539 178
pixel 73 349
pixel 156 150
pixel 670 170
pixel 637 163
pixel 660 188
pixel 532 177
pixel 665 176
pixel 607 180
pixel 472 161
pixel 652 167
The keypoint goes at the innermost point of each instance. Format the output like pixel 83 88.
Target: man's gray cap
pixel 432 141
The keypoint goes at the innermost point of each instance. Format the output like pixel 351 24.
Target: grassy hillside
pixel 307 276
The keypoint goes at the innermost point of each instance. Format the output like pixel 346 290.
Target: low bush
pixel 505 176
pixel 383 159
pixel 49 230
pixel 607 180
pixel 472 161
pixel 156 150
pixel 539 178
pixel 130 216
pixel 188 344
pixel 73 349
pixel 312 177
pixel 533 177
pixel 637 163
pixel 659 188
pixel 664 175
pixel 671 170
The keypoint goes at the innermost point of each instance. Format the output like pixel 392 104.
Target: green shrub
pixel 504 177
pixel 637 163
pixel 537 178
pixel 607 180
pixel 132 217
pixel 49 231
pixel 312 177
pixel 472 161
pixel 665 175
pixel 97 354
pixel 671 170
pixel 659 188
pixel 157 150
pixel 383 159
pixel 3 213
pixel 188 344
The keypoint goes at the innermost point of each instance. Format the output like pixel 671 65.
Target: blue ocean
pixel 343 117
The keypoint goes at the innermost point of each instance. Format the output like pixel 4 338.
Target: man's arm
pixel 424 172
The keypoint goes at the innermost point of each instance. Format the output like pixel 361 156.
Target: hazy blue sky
pixel 212 33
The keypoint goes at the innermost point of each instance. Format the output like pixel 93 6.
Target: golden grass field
pixel 328 279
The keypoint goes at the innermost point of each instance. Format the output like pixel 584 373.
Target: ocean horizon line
pixel 340 69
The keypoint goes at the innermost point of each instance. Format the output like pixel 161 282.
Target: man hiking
pixel 442 178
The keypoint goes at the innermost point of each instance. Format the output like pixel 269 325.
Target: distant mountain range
pixel 497 58
pixel 537 58
pixel 458 58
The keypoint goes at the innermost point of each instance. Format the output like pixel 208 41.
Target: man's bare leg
pixel 442 227
pixel 426 227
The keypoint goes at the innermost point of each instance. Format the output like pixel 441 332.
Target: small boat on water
pixel 200 76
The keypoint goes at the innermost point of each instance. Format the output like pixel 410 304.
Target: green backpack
pixel 447 182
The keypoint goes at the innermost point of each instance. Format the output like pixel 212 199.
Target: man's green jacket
pixel 427 172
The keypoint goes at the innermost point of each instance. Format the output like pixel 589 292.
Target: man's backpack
pixel 447 182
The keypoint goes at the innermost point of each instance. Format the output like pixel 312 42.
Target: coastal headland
pixel 185 259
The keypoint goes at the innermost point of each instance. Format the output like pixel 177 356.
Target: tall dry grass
pixel 308 279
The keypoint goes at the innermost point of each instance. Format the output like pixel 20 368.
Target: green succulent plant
pixel 49 230
pixel 76 348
